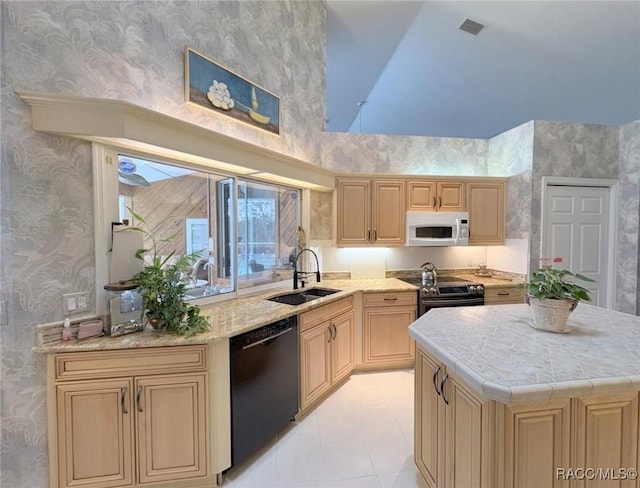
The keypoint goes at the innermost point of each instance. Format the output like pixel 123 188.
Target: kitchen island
pixel 501 404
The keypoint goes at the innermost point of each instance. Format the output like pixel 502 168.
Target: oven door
pixel 438 302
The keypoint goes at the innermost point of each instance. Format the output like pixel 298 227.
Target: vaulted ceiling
pixel 419 74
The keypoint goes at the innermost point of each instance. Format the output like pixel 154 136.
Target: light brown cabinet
pixel 385 335
pixel 486 207
pixel 504 295
pixel 607 434
pixel 95 433
pixel 449 430
pixel 140 425
pixel 436 196
pixel 326 349
pixel 537 443
pixel 371 212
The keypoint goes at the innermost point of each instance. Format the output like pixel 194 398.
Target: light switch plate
pixel 75 303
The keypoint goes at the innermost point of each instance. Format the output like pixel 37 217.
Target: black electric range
pixel 447 292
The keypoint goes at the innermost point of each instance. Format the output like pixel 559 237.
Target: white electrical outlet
pixel 74 303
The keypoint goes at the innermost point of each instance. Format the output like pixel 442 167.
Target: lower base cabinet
pixel 326 349
pixel 385 329
pixel 462 440
pixel 449 430
pixel 131 428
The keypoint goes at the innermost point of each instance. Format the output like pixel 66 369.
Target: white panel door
pixel 576 228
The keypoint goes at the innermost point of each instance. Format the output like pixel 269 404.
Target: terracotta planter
pixel 551 314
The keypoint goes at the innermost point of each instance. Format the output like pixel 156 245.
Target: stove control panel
pixel 476 289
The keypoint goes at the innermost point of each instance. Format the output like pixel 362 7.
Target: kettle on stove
pixel 429 276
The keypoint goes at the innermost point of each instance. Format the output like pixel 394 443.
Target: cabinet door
pixel 388 212
pixel 429 421
pixel 606 434
pixel 342 346
pixel 171 427
pixel 95 433
pixel 450 195
pixel 385 335
pixel 536 441
pixel 421 195
pixel 486 212
pixel 315 374
pixel 463 436
pixel 354 212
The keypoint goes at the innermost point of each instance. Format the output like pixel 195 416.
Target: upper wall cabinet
pixel 435 196
pixel 486 207
pixel 371 212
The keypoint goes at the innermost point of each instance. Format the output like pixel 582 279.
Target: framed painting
pixel 213 86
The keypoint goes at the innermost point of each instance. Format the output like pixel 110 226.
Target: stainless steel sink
pixel 302 296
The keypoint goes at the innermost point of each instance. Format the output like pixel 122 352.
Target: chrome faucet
pixel 296 273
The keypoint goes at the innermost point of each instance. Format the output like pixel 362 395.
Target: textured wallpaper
pixel 628 274
pixel 321 215
pixel 511 154
pixel 375 153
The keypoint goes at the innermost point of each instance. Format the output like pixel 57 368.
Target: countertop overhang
pixel 496 352
pixel 232 317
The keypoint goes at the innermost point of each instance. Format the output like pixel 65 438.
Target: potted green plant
pixel 161 283
pixel 553 294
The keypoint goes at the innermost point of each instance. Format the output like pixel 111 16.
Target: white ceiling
pixel 575 61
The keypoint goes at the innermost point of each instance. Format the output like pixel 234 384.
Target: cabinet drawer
pixel 324 313
pixel 388 299
pixel 110 364
pixel 512 294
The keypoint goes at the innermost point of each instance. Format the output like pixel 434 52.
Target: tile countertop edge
pixel 226 315
pixel 533 392
pixel 490 390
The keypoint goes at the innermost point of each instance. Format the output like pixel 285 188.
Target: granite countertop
pixel 495 280
pixel 496 352
pixel 232 317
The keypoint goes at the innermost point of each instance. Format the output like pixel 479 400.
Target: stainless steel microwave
pixel 437 228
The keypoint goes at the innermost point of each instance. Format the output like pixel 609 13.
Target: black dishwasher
pixel 264 385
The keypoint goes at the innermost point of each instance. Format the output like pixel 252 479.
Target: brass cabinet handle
pixel 330 333
pixel 123 407
pixel 375 234
pixel 368 234
pixel 390 299
pixel 335 331
pixel 444 380
pixel 434 202
pixel 504 294
pixel 439 202
pixel 138 404
pixel 435 379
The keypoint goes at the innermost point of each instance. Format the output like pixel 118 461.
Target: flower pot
pixel 158 323
pixel 551 314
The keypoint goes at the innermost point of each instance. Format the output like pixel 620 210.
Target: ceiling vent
pixel 471 26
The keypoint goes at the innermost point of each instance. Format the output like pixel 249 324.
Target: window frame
pixel 106 211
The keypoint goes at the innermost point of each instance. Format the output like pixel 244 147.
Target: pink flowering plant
pixel 551 282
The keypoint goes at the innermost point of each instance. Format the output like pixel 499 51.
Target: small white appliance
pixel 125 306
pixel 437 228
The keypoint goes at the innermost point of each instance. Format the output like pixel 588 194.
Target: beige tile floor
pixel 361 436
